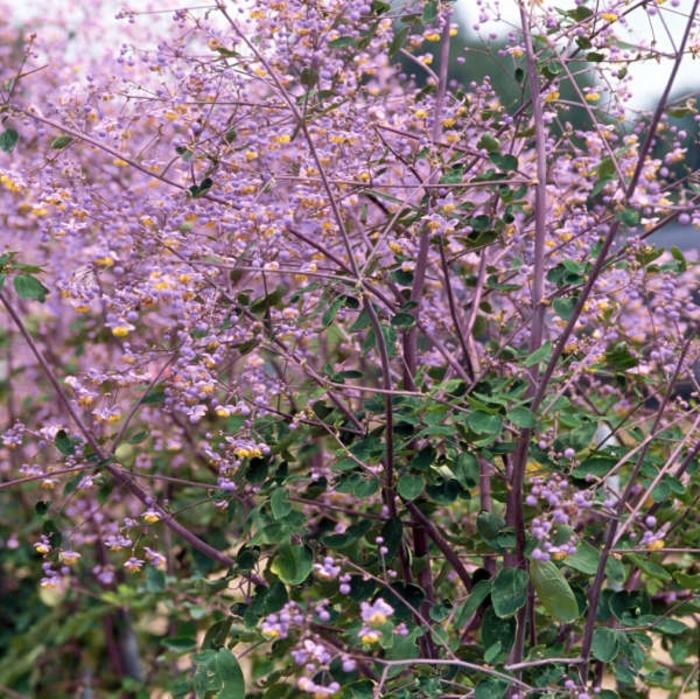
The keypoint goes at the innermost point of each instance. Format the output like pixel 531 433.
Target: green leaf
pixel 564 307
pixel 492 652
pixel 523 417
pixel 509 591
pixel 652 569
pixel 553 591
pixel 364 320
pixel 661 492
pixel 8 140
pixel 217 634
pixel 480 223
pixel 615 570
pixel 689 582
pixel 489 143
pixel 505 162
pixel 348 537
pixel 247 557
pixel 293 563
pixel 64 443
pixel 436 431
pixel 440 612
pixel 620 357
pixel 606 169
pixel 403 320
pixel 605 645
pixel 139 437
pixel 466 469
pixel 600 185
pixel 673 627
pixel 586 559
pixel 595 56
pixel 279 503
pixel 275 596
pixel 272 300
pixel 430 12
pixel 49 529
pixel 392 532
pixel 580 13
pixel 444 490
pixel 630 217
pixel 229 674
pixel 597 466
pixel 567 273
pixel 204 680
pixel 628 606
pixel 410 486
pixel 489 526
pixel 61 142
pixel 494 630
pixel 491 688
pixel 341 42
pixel 479 593
pixel 453 175
pixel 180 644
pixel 366 487
pixel 28 287
pixel 202 188
pixel 542 354
pixel 398 41
pixel 482 422
pixel 308 77
pixel 155 580
pixel 154 397
pixel 332 311
pixel 186 154
pixel 623 674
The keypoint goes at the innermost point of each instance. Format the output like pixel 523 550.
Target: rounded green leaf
pixel 553 590
pixel 29 287
pixel 410 486
pixel 466 469
pixel 605 645
pixel 489 143
pixel 403 320
pixel 125 454
pixel 491 688
pixel 216 635
pixel 509 592
pixel 586 559
pixel 521 416
pixel 293 564
pixel 279 503
pixel 489 526
pixel 8 140
pixel 496 630
pixel 482 422
pixel 229 674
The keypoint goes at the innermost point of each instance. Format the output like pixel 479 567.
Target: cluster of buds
pixel 560 508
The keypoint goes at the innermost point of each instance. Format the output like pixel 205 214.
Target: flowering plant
pixel 327 375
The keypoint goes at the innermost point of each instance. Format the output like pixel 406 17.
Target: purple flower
pixel 377 613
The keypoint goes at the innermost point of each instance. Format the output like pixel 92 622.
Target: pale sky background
pixel 649 77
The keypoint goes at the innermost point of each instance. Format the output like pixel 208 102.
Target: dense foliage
pixel 325 375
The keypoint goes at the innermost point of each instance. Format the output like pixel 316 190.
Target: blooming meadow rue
pixel 310 341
